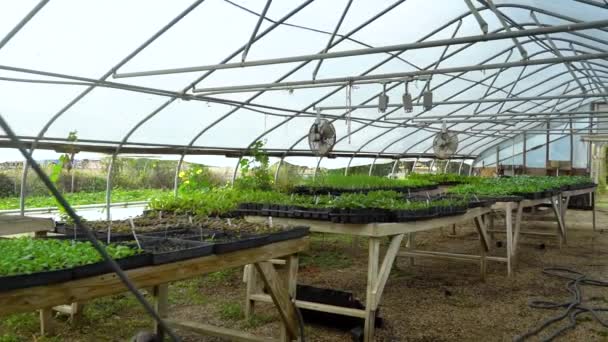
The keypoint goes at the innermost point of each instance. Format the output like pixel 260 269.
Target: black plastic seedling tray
pixel 230 243
pixel 35 279
pixel 293 233
pixel 98 268
pixel 166 250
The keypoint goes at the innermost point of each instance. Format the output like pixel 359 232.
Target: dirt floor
pixel 434 300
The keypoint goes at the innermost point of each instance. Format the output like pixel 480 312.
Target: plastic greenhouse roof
pixel 171 77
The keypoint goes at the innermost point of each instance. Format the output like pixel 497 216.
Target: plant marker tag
pixel 160 215
pixel 109 232
pixel 133 230
pixel 190 219
pixel 270 221
pixel 229 222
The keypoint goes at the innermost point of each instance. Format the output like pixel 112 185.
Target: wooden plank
pixel 509 229
pixel 315 306
pixel 17 224
pixel 24 300
pixel 528 232
pixel 372 278
pixel 280 297
pixel 449 256
pixel 516 231
pixel 211 330
pixel 46 321
pixel 376 229
pixel 385 269
pixel 161 305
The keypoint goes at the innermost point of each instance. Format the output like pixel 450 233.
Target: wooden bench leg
pixel 46 321
pixel 281 299
pixel 161 305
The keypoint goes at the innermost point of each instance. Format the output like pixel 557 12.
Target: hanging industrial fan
pixel 445 143
pixel 321 136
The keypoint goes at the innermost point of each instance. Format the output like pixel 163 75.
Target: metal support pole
pixel 109 188
pixel 547 143
pixel 497 157
pixel 395 164
pixel 482 23
pixel 314 176
pixel 236 169
pixel 331 39
pixel 383 49
pixel 471 167
pixel 371 167
pixel 432 165
pixel 178 169
pixel 558 54
pixel 23 22
pixel 525 153
pixel 571 147
pixel 276 173
pixel 348 166
pixel 399 76
pixel 22 193
pixel 522 51
pixel 414 165
pixel 255 30
pixel 445 168
pixel 460 167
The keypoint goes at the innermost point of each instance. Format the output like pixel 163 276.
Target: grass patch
pixel 222 276
pixel 20 323
pixel 230 311
pixel 326 259
pixel 258 320
pixel 187 292
pixel 10 338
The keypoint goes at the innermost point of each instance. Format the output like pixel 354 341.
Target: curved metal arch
pixel 190 86
pixel 105 76
pixel 301 65
pixel 512 83
pixel 409 134
pixel 525 126
pixel 448 24
pixel 456 94
pixel 519 104
pixel 379 118
pixel 513 135
pixel 443 27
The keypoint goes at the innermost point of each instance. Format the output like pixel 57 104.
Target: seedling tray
pixel 35 279
pixel 360 216
pixel 414 215
pixel 230 243
pixel 134 261
pixel 165 250
pixel 293 233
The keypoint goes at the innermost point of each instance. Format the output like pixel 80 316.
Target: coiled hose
pixel 573 307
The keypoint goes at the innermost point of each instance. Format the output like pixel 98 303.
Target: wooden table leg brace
pixel 376 279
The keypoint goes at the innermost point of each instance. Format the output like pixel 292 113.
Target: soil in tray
pixel 165 250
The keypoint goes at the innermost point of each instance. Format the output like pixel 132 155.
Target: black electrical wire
pixel 79 225
pixel 573 307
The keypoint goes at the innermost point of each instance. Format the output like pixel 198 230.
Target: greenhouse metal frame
pixel 531 68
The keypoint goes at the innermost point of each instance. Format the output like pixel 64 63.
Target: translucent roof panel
pixel 215 76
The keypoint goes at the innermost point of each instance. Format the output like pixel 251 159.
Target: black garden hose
pixel 574 306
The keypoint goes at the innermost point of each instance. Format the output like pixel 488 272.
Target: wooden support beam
pixel 224 333
pixel 315 306
pixel 33 298
pixel 17 224
pixel 280 297
pixel 449 256
pixel 385 269
pixel 161 305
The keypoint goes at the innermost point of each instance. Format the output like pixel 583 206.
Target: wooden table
pixel 558 204
pixel 17 224
pixel 280 287
pixel 378 273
